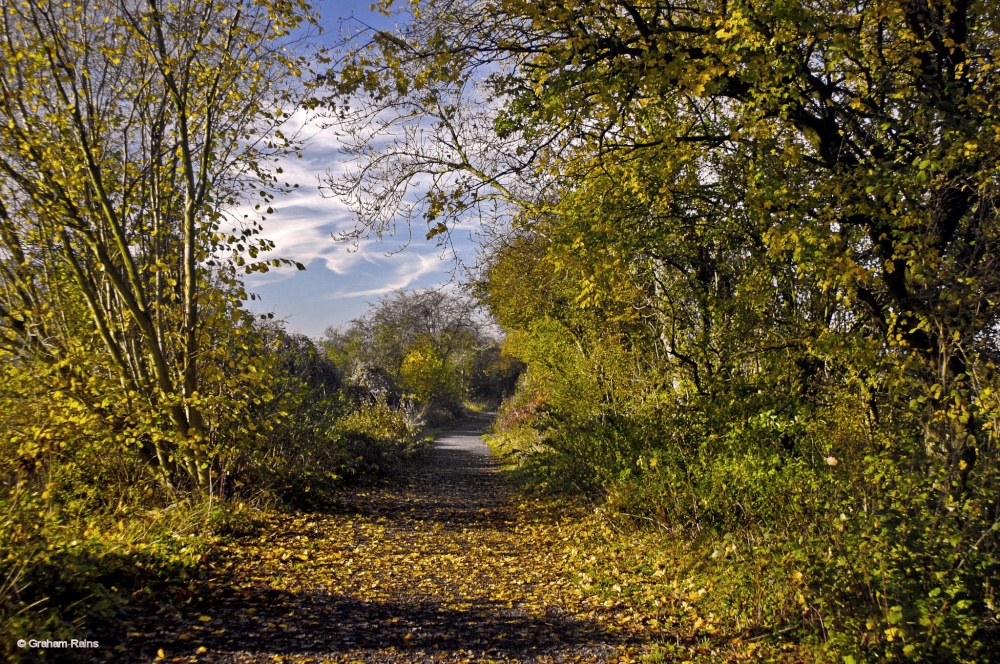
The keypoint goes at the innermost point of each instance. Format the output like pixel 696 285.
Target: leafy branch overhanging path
pixel 446 567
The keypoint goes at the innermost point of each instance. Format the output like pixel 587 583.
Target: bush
pixel 849 538
pixel 85 525
pixel 380 436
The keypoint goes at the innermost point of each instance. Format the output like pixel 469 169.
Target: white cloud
pixel 404 274
pixel 344 275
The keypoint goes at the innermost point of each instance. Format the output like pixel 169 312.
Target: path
pixel 443 568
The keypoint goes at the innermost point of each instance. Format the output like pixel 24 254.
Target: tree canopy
pixel 745 240
pixel 130 134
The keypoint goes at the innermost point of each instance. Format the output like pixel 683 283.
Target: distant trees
pixel 401 319
pixel 433 344
pixel 128 133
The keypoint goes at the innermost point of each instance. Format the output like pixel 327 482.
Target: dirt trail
pixel 443 567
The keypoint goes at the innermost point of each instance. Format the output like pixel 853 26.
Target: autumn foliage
pixel 142 407
pixel 748 254
pixel 744 252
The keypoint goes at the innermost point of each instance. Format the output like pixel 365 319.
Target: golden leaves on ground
pixel 447 567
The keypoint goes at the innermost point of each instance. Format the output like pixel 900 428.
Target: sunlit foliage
pixel 431 346
pixel 750 263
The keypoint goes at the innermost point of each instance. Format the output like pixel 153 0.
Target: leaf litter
pixel 447 565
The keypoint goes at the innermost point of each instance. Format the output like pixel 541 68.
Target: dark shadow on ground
pixel 412 630
pixel 455 489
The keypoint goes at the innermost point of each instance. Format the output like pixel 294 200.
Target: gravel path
pixel 444 567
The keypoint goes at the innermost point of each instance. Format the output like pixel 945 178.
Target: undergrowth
pixel 85 531
pixel 762 548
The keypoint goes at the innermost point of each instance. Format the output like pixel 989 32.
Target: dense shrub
pixel 85 525
pixel 826 529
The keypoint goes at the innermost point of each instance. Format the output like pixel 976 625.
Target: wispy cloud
pixel 407 272
pixel 344 275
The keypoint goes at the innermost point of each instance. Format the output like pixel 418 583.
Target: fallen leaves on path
pixel 444 567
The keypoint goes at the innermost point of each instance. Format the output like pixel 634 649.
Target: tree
pixel 402 320
pixel 128 132
pixel 426 141
pixel 854 144
pixel 425 374
pixel 757 221
pixel 427 341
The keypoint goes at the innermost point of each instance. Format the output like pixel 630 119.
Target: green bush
pixel 380 437
pixel 84 525
pixel 853 539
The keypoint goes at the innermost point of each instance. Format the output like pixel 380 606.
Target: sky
pixel 340 279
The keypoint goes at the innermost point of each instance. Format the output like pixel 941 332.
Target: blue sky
pixel 340 279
